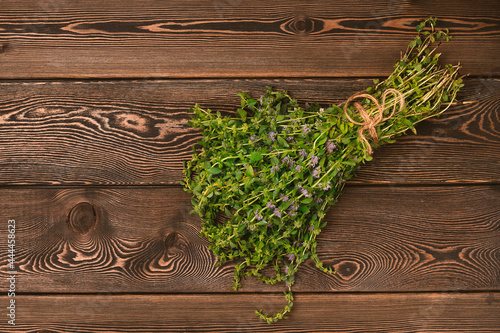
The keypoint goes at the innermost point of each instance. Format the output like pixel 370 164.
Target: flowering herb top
pixel 263 179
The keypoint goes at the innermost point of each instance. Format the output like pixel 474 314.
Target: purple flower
pixel 274 169
pixel 314 160
pixel 316 172
pixel 288 161
pixel 304 192
pixel 261 100
pixel 289 139
pixel 290 256
pixel 285 199
pixel 286 269
pixel 270 205
pixel 330 146
pixel 327 186
pixel 257 216
pixel 318 200
pixel 277 213
pixel 272 136
pixel 298 168
pixel 306 129
pixel 253 137
pixel 311 228
pixel 303 153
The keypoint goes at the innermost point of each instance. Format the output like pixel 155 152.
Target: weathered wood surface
pixel 198 38
pixel 94 103
pixel 424 312
pixel 136 133
pixel 144 240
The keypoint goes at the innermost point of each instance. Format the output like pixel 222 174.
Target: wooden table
pixel 94 104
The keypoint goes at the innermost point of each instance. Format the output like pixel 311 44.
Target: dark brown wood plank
pixel 144 240
pixel 73 39
pixel 428 312
pixel 122 132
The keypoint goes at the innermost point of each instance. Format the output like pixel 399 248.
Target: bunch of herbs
pixel 263 179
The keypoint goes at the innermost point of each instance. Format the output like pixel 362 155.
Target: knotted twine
pixel 372 119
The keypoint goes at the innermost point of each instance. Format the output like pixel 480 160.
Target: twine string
pixel 372 119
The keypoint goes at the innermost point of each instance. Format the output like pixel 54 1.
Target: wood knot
pixel 347 269
pixel 82 218
pixel 300 25
pixel 171 240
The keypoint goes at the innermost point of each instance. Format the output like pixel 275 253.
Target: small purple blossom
pixel 306 129
pixel 272 136
pixel 303 153
pixel 330 146
pixel 285 199
pixel 257 216
pixel 316 172
pixel 286 270
pixel 262 99
pixel 290 139
pixel 288 161
pixel 253 137
pixel 318 200
pixel 298 168
pixel 290 256
pixel 314 160
pixel 327 186
pixel 311 227
pixel 277 213
pixel 270 205
pixel 274 169
pixel 304 192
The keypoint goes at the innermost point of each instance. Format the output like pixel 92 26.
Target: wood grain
pixel 129 240
pixel 427 312
pixel 196 38
pixel 136 133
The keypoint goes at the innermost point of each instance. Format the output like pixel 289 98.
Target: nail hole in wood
pixel 82 218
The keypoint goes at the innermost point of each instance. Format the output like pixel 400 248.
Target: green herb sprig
pixel 262 179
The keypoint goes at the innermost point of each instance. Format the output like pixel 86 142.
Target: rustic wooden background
pixel 94 100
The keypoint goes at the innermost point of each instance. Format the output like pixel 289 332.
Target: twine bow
pixel 370 120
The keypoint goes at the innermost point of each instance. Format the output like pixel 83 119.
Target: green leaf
pixel 255 157
pixel 307 200
pixel 214 171
pixel 283 142
pixel 250 172
pixel 242 113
